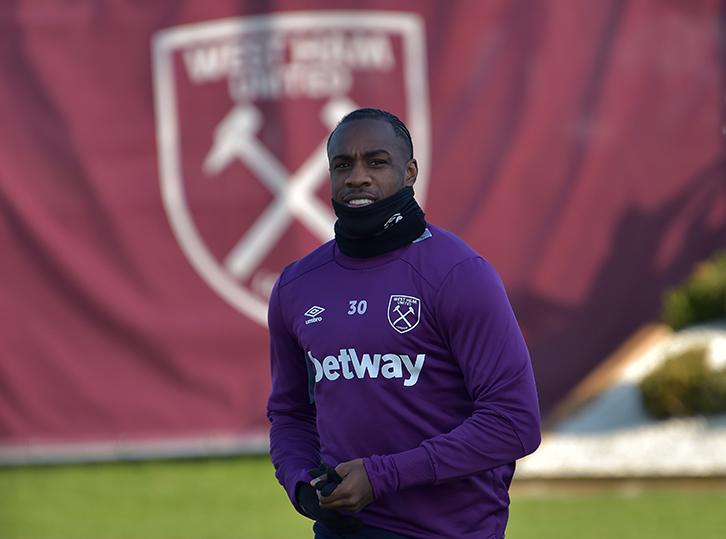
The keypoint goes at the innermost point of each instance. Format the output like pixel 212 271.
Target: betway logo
pixel 349 365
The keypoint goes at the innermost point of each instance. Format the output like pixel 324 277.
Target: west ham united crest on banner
pixel 244 107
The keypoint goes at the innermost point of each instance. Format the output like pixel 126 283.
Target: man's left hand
pixel 353 493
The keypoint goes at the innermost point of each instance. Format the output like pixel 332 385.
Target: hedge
pixel 701 298
pixel 685 385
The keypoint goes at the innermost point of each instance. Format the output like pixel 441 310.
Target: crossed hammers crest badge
pixel 404 312
pixel 244 107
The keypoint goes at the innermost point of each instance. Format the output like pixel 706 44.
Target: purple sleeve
pixel 476 319
pixel 294 440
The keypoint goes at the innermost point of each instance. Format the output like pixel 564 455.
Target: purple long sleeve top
pixel 412 360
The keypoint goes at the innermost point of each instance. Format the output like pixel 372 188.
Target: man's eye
pixel 341 165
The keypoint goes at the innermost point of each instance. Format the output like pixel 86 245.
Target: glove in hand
pixel 326 486
pixel 330 519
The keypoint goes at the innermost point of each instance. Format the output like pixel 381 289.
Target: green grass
pixel 210 499
pixel 653 513
pixel 239 498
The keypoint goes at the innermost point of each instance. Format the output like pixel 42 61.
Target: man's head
pixel 370 155
pixel 377 114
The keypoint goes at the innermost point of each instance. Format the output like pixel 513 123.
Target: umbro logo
pixel 313 313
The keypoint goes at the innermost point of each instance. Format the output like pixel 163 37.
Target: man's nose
pixel 358 176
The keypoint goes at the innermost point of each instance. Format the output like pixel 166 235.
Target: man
pixel 402 388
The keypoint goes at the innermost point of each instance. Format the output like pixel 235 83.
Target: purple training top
pixel 413 360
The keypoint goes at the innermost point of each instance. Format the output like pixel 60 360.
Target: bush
pixel 702 297
pixel 685 385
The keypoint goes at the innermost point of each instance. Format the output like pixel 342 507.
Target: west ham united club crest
pixel 404 313
pixel 244 107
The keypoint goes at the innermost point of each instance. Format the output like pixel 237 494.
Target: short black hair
pixel 399 128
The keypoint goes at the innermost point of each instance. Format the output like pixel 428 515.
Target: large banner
pixel 160 164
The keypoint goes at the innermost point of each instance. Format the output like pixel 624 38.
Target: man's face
pixel 368 163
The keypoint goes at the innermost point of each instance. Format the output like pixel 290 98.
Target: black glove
pixel 326 486
pixel 330 519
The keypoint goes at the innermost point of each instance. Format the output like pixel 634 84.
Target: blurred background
pixel 162 161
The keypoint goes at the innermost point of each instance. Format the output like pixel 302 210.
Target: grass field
pixel 239 498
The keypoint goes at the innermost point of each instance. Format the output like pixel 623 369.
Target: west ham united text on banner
pixel 161 164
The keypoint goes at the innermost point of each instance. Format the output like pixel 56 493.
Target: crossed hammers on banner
pixel 236 138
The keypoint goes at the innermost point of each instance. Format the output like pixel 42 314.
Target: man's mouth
pixel 360 202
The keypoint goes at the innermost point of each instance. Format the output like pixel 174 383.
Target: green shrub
pixel 684 385
pixel 702 297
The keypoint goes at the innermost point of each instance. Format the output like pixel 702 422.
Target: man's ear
pixel 411 172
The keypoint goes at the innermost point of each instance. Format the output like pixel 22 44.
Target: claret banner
pixel 161 163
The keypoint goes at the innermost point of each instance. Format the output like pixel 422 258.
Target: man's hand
pixel 352 494
pixel 334 521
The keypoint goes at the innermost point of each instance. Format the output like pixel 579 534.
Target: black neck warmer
pixel 379 227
